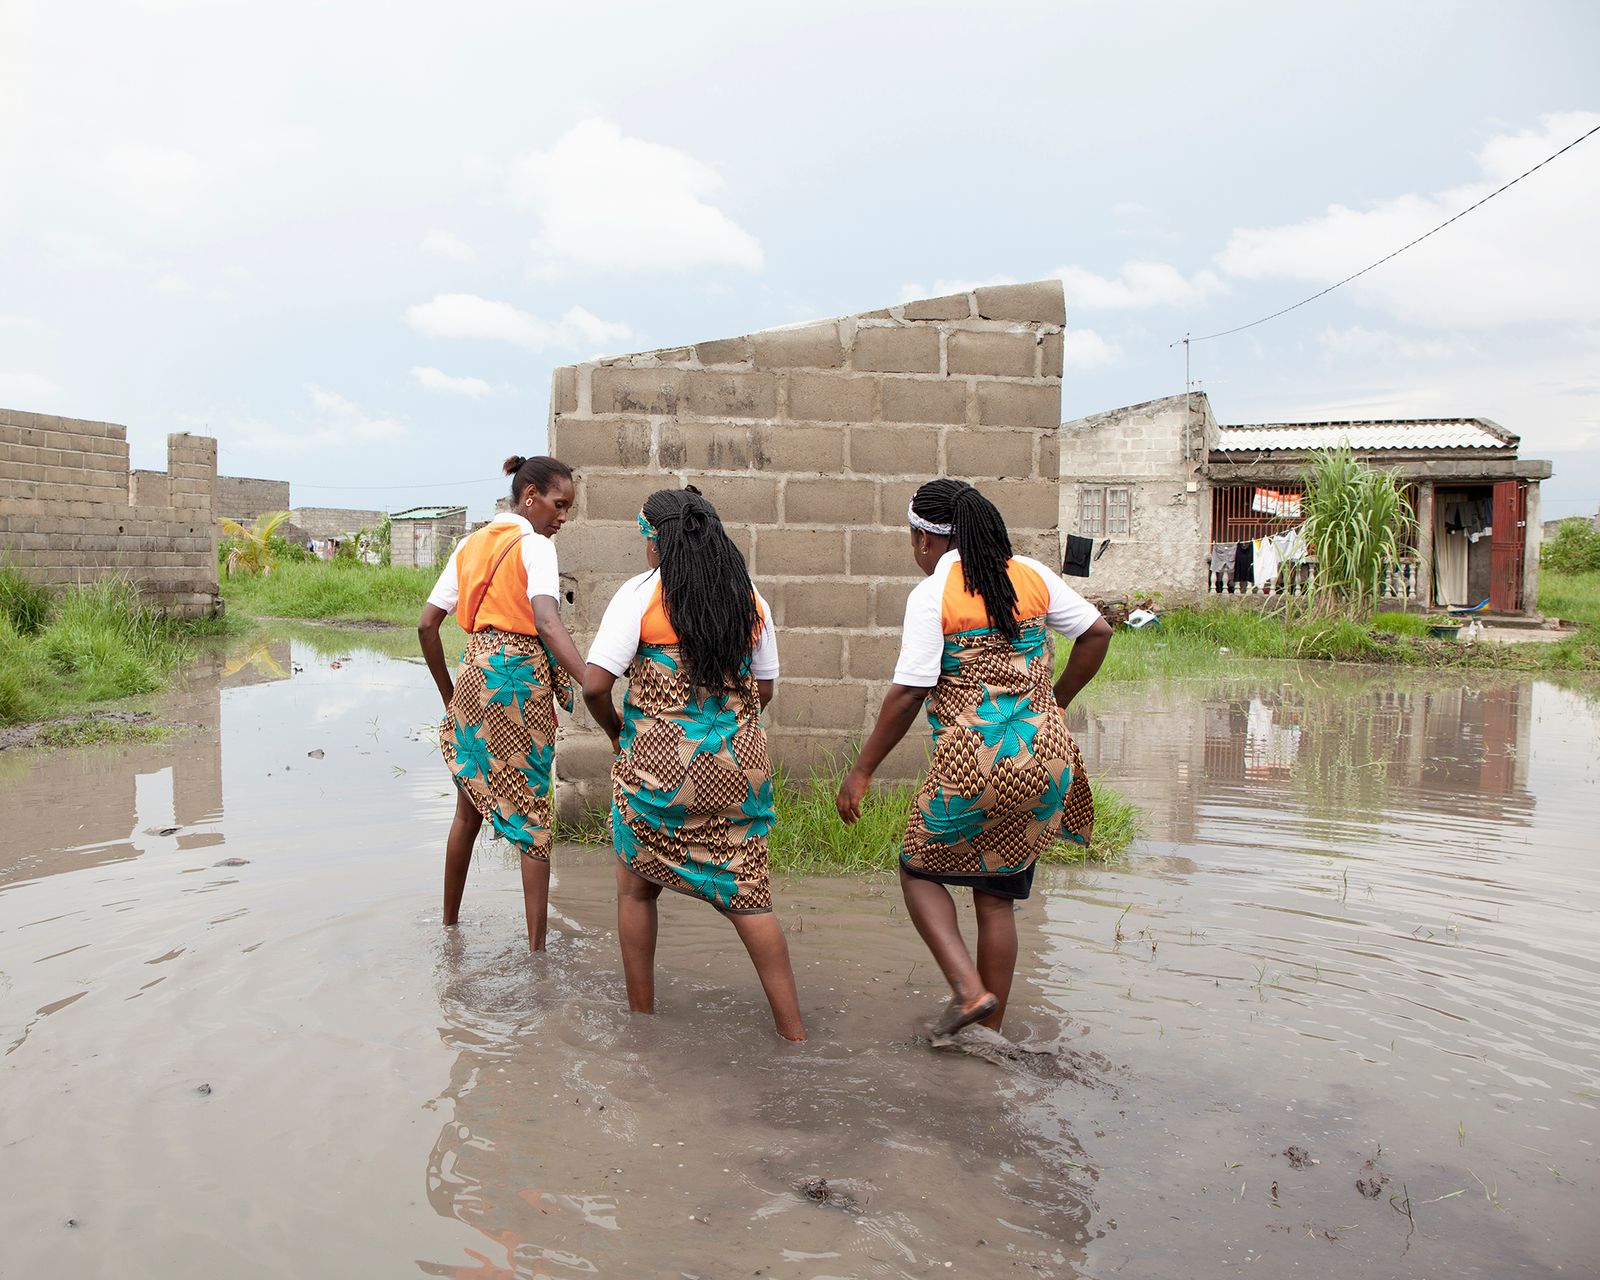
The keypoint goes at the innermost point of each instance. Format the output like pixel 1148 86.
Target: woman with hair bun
pixel 499 730
pixel 1005 780
pixel 692 798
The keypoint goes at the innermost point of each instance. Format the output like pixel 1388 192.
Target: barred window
pixel 1105 511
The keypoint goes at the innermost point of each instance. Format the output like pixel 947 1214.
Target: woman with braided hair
pixel 499 730
pixel 691 783
pixel 1005 780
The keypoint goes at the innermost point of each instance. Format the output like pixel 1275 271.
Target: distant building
pixel 1163 493
pixel 244 498
pixel 424 536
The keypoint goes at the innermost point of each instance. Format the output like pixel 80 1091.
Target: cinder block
pixel 589 550
pixel 818 654
pixel 827 501
pixel 614 389
pixel 789 448
pixel 900 451
pixel 803 752
pixel 618 497
pixel 564 390
pixel 784 552
pixel 832 397
pixel 894 496
pixel 829 704
pixel 610 442
pixel 881 553
pixel 873 654
pixel 815 346
pixel 1019 404
pixel 741 499
pixel 973 454
pixel 709 394
pixel 1050 357
pixel 924 400
pixel 1049 456
pixel 826 604
pixel 911 349
pixel 724 351
pixel 1026 504
pixel 955 306
pixel 705 447
pixel 1004 355
pixel 1042 302
pixel 889 603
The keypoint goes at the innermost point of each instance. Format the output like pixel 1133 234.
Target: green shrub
pixel 1357 519
pixel 1573 548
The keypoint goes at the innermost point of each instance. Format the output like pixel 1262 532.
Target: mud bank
pixel 1359 948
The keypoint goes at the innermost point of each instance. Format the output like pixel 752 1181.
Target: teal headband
pixel 646 528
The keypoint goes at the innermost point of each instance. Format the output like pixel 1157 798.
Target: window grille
pixel 1105 511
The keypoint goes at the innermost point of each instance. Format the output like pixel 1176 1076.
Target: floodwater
pixel 1336 1017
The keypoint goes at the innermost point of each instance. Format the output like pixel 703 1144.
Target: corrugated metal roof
pixel 1414 433
pixel 426 513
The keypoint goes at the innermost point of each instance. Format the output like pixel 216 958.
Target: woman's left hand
pixel 851 791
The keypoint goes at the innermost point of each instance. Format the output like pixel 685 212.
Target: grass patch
pixel 809 839
pixel 97 731
pixel 93 643
pixel 332 590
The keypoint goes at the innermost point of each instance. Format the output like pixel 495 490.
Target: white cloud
pixel 163 182
pixel 26 390
pixel 447 245
pixel 465 315
pixel 1138 284
pixel 1377 344
pixel 609 202
pixel 437 380
pixel 944 288
pixel 332 421
pixel 1086 349
pixel 1528 256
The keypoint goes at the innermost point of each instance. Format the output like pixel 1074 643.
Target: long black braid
pixel 979 534
pixel 705 587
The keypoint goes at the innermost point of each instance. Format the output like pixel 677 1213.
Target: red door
pixel 1505 545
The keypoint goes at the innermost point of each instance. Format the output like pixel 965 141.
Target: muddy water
pixel 1363 927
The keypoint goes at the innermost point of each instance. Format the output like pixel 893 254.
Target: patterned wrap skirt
pixel 691 789
pixel 1006 779
pixel 499 737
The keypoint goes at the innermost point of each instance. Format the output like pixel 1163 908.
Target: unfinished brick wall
pixel 810 441
pixel 243 498
pixel 71 512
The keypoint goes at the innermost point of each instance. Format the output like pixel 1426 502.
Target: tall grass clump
pixel 332 590
pixel 108 643
pixel 1358 521
pixel 23 604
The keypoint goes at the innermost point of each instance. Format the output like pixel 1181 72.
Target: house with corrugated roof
pixel 1159 498
pixel 425 536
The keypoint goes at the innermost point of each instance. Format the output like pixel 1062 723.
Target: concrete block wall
pixel 71 512
pixel 244 498
pixel 810 440
pixel 1157 450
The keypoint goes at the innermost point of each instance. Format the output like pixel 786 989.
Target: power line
pixel 1324 292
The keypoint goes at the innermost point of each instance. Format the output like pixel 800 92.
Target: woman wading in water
pixel 691 784
pixel 975 647
pixel 499 730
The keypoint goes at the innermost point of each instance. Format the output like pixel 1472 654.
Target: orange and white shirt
pixel 507 602
pixel 940 605
pixel 637 616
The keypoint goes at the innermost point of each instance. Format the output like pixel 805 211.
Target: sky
pixel 351 240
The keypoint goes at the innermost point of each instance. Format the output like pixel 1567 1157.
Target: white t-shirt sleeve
pixel 922 636
pixel 539 559
pixel 1069 614
pixel 447 591
pixel 764 661
pixel 617 640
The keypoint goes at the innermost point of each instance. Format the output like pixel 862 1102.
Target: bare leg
pixel 763 938
pixel 458 854
pixel 933 911
pixel 997 948
pixel 636 930
pixel 536 898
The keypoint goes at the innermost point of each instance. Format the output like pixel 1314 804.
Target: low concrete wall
pixel 70 511
pixel 810 441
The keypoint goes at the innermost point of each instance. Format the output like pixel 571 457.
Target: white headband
pixel 927 526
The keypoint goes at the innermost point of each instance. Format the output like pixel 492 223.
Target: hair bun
pixel 513 464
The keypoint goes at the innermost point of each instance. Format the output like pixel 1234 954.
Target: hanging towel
pixel 1244 563
pixel 1266 560
pixel 1079 551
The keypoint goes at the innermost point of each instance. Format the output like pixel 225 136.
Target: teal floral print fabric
pixel 499 738
pixel 692 800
